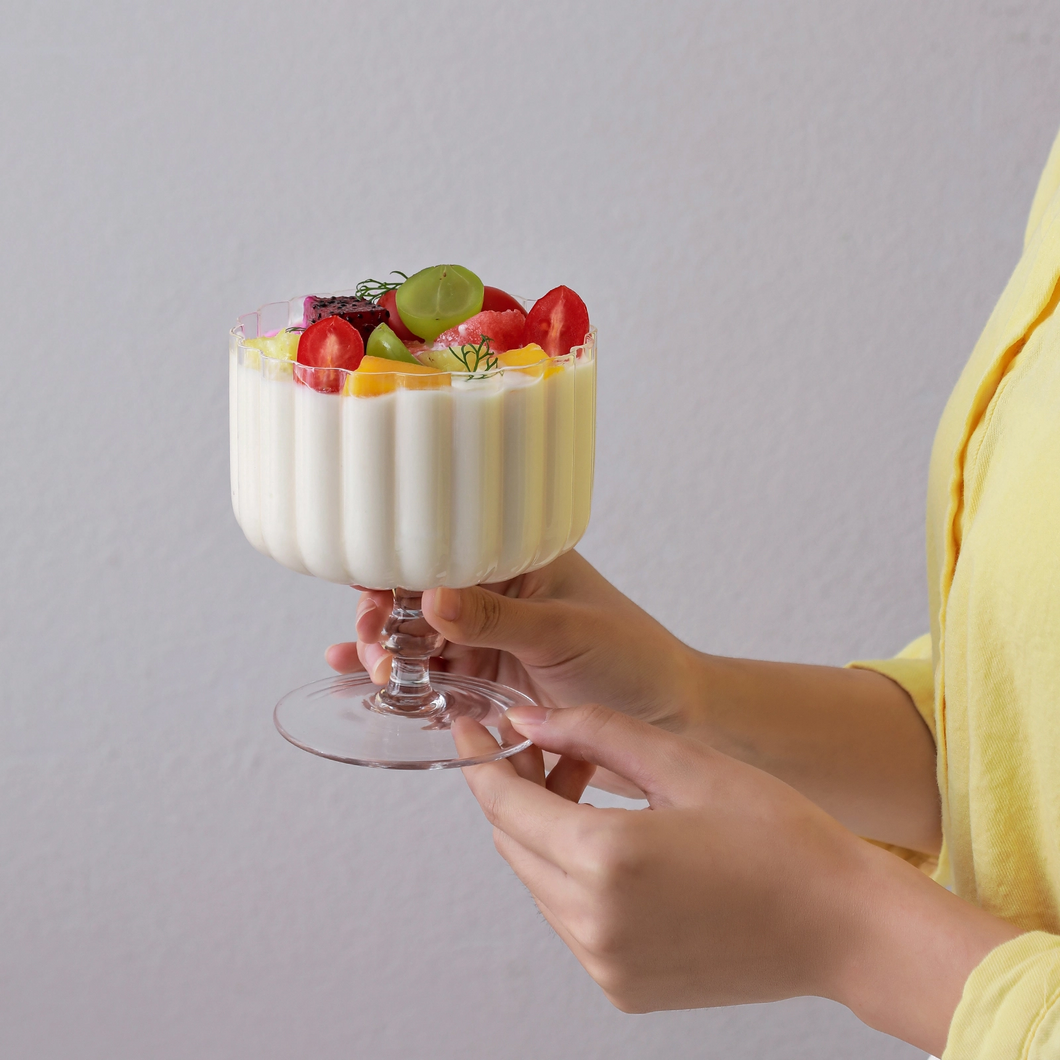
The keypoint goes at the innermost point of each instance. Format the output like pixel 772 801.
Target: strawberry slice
pixel 505 331
pixel 496 300
pixel 556 322
pixel 395 323
pixel 328 345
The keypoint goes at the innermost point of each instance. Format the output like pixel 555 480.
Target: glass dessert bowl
pixel 404 477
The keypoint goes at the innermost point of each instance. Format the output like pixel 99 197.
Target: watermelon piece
pixel 505 331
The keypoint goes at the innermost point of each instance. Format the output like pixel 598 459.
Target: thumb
pixel 480 618
pixel 667 768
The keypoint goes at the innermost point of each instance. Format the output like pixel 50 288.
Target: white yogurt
pixel 478 481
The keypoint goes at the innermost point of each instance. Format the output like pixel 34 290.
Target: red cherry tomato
pixel 389 303
pixel 325 346
pixel 494 300
pixel 556 322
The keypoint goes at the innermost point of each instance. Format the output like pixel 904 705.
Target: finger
pixel 569 778
pixel 344 658
pixel 667 768
pixel 557 895
pixel 376 660
pixel 484 619
pixel 529 764
pixel 373 610
pixel 605 780
pixel 365 653
pixel 545 881
pixel 539 820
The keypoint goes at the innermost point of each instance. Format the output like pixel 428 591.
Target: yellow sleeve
pixel 1011 1004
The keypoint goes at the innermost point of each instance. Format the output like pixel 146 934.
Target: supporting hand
pixel 731 888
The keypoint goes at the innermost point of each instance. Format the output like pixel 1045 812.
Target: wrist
pixel 905 948
pixel 688 700
pixel 707 699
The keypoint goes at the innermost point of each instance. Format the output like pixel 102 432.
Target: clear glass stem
pixel 411 642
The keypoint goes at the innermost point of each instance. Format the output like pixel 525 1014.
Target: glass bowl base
pixel 341 718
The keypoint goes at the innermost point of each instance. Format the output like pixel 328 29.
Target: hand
pixel 851 740
pixel 731 888
pixel 563 635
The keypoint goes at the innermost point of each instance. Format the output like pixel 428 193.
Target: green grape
pixel 384 343
pixel 434 300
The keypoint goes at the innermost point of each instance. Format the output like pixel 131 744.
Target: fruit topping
pixel 532 354
pixel 497 301
pixel 283 346
pixel 444 360
pixel 504 329
pixel 557 321
pixel 530 360
pixel 384 343
pixel 379 375
pixel 359 312
pixel 324 347
pixel 389 302
pixel 433 300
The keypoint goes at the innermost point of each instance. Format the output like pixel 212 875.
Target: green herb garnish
pixel 373 290
pixel 476 357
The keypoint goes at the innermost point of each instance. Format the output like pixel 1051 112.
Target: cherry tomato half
pixel 325 346
pixel 556 322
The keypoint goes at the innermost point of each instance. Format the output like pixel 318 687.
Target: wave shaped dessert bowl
pixel 405 482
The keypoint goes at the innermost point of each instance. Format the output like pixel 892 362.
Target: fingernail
pixel 528 715
pixel 447 604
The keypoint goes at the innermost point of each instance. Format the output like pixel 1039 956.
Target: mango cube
pixel 530 359
pixel 380 375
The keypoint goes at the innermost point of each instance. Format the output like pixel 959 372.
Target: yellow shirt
pixel 987 678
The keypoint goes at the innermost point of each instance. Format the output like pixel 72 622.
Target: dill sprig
pixel 476 357
pixel 373 290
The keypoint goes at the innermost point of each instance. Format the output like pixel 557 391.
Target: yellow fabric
pixel 992 660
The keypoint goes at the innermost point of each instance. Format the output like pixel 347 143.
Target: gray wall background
pixel 790 222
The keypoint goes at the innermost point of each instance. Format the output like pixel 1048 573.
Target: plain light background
pixel 789 221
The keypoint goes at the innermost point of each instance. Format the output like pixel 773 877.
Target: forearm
pixel 910 946
pixel 850 740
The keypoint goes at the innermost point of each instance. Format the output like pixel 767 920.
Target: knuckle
pixel 487 614
pixel 502 843
pixel 491 801
pixel 597 719
pixel 600 934
pixel 611 852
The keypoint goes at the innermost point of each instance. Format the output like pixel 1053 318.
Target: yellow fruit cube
pixel 531 359
pixel 282 346
pixel 380 375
